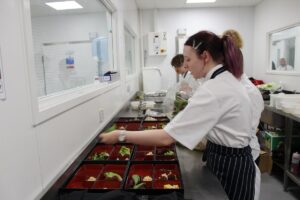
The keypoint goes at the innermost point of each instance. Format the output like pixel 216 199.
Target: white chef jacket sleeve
pixel 196 120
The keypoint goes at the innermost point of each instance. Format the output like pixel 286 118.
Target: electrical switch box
pixel 157 43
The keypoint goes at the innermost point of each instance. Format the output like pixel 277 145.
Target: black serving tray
pixel 129 119
pixel 78 182
pixel 156 119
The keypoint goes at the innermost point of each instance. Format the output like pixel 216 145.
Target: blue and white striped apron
pixel 235 169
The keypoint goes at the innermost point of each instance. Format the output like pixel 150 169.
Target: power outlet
pixel 101 115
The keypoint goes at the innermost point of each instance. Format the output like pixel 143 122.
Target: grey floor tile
pixel 272 189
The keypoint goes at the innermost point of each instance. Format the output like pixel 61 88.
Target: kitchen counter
pixel 280 112
pixel 199 182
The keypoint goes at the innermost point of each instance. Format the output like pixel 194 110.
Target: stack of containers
pixel 289 103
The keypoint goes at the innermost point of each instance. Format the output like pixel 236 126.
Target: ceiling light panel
pixel 200 1
pixel 64 5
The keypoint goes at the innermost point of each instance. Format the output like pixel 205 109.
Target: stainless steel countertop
pixel 199 182
pixel 280 112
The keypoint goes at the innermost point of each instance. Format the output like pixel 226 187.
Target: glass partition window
pixel 72 48
pixel 284 55
pixel 129 52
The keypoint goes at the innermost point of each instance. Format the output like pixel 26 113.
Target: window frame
pixel 132 33
pixel 47 107
pixel 269 41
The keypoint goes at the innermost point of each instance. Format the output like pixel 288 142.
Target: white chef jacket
pixel 257 104
pixel 219 109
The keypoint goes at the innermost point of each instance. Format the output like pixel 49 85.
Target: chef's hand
pixel 109 138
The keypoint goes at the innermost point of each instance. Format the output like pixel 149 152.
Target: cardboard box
pixel 273 139
pixel 265 162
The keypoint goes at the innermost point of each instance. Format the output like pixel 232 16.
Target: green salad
pixel 124 151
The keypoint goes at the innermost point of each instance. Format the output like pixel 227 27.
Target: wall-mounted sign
pixel 2 89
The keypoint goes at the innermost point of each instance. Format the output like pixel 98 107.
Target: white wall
pixel 214 19
pixel 33 157
pixel 271 15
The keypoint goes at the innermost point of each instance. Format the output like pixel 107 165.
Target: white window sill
pixel 288 73
pixel 55 104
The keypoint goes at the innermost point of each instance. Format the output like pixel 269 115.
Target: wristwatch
pixel 122 135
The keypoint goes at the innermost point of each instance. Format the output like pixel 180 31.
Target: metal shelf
pixel 287 122
pixel 279 164
pixel 292 176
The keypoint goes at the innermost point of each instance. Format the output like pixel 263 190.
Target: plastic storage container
pixel 295 163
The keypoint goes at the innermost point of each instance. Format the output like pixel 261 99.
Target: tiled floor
pixel 272 188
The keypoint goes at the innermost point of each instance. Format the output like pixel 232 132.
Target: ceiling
pixel 150 4
pixel 38 8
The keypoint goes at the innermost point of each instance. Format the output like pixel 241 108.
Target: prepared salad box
pixel 150 154
pixel 144 170
pixel 104 152
pixel 100 177
pixel 145 179
pixel 153 179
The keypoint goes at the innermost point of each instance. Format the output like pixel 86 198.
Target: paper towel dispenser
pixel 152 79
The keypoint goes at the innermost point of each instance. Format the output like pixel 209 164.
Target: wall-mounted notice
pixel 2 89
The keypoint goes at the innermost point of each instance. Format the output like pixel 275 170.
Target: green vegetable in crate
pixel 270 86
pixel 113 176
pixel 100 156
pixel 136 182
pixel 124 151
pixel 169 153
pixel 136 179
pixel 112 128
pixel 139 186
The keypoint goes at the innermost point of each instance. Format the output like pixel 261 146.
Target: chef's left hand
pixel 109 138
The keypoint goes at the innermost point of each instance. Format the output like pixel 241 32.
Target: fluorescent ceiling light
pixel 64 5
pixel 200 1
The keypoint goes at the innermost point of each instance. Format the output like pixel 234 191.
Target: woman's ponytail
pixel 233 57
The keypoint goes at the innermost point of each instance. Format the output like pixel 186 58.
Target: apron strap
pixel 184 75
pixel 217 72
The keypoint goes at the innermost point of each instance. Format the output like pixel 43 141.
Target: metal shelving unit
pixel 286 121
pixel 279 164
pixel 292 176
